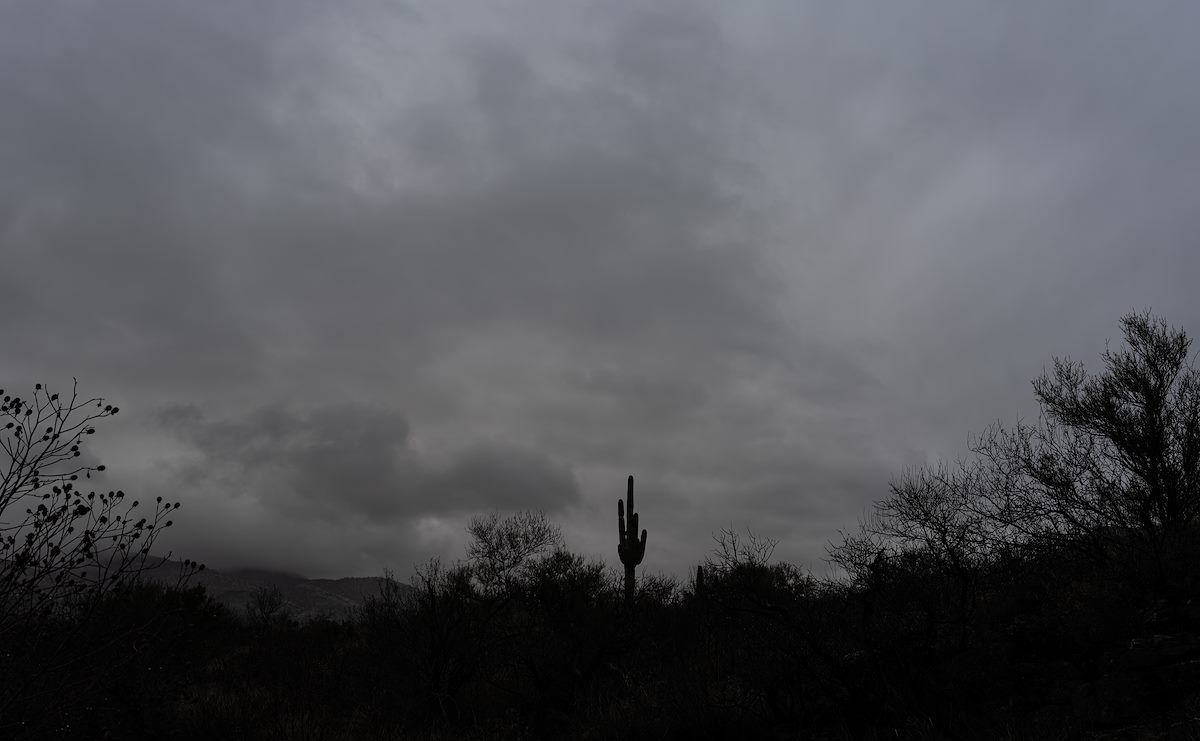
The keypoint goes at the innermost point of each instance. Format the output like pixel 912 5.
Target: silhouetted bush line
pixel 764 651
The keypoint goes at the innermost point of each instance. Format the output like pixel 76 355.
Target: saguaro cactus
pixel 630 549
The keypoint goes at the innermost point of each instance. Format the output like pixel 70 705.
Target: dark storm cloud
pixel 761 257
pixel 490 477
pixel 352 461
pixel 340 489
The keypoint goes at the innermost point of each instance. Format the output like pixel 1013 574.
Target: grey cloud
pixel 106 193
pixel 498 477
pixel 354 461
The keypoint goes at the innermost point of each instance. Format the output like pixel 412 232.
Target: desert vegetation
pixel 1044 587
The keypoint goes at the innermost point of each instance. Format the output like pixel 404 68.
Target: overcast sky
pixel 356 270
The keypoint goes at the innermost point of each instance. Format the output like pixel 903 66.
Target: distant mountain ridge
pixel 303 598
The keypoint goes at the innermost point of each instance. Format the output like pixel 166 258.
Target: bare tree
pixel 266 607
pixel 733 551
pixel 59 544
pixel 502 550
pixel 1114 461
pixel 62 550
pixel 1111 469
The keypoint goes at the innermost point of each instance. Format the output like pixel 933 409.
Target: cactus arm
pixel 629 496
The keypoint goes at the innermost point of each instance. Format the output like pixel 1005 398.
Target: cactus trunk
pixel 629 548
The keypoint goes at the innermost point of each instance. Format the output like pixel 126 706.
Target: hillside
pixel 303 598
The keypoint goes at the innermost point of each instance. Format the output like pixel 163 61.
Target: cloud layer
pixel 356 271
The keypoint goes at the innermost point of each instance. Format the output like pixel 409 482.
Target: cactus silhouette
pixel 699 580
pixel 630 549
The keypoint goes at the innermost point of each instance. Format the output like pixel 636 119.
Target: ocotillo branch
pixel 630 549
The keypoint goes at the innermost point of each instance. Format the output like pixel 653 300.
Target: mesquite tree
pixel 629 548
pixel 1115 462
pixel 1111 470
pixel 503 551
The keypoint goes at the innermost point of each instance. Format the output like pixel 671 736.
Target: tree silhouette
pixel 62 550
pixel 66 543
pixel 1117 456
pixel 267 606
pixel 502 550
pixel 1111 470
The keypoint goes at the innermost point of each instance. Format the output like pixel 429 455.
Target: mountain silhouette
pixel 304 598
